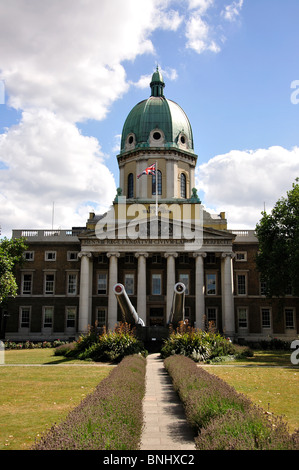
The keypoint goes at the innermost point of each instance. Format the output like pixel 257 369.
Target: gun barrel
pixel 178 303
pixel 128 311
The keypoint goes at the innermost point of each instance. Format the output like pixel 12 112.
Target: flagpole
pixel 156 188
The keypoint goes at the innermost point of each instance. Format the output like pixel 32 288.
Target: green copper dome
pixel 157 122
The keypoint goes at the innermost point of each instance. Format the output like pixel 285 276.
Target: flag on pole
pixel 151 170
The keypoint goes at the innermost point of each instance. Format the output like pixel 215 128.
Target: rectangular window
pixel 212 316
pixel 241 284
pixel 241 256
pixel 28 255
pixel 211 284
pixel 289 318
pixel 266 317
pixel 72 255
pixel 71 317
pixel 102 283
pixel 49 283
pixel 101 316
pixel 184 278
pixel 48 317
pixel 129 283
pixel 263 287
pixel 25 317
pixel 156 284
pixel 50 256
pixel 242 317
pixel 27 284
pixel 72 284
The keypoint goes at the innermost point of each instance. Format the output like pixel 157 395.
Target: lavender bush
pixel 223 418
pixel 110 418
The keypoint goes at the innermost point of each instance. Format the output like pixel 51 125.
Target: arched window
pixel 130 185
pixel 183 186
pixel 159 184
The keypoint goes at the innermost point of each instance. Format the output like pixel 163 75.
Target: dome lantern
pixel 157 84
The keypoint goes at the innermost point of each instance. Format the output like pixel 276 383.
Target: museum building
pixel 155 234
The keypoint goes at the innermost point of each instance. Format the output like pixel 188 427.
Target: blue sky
pixel 73 70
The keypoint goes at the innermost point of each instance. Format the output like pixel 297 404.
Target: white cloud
pixel 67 56
pixel 199 35
pixel 232 11
pixel 48 160
pixel 241 182
pixel 201 5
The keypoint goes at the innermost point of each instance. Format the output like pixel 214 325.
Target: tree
pixel 278 236
pixel 11 254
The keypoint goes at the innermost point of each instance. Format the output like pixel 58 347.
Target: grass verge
pixel 33 398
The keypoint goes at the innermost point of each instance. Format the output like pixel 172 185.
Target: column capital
pixel 113 254
pixel 202 255
pixel 175 255
pixel 84 253
pixel 137 255
pixel 230 254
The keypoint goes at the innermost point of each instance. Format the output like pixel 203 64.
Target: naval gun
pixel 177 312
pixel 128 311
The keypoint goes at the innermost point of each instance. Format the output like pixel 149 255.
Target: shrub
pixel 111 346
pixel 198 344
pixel 110 418
pixel 223 418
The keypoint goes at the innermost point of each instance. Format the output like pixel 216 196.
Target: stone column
pixel 141 285
pixel 228 317
pixel 170 281
pixel 85 292
pixel 199 290
pixel 112 300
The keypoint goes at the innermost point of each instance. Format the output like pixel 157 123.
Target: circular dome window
pixel 130 139
pixel 157 135
pixel 183 140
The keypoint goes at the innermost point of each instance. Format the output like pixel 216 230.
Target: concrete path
pixel 166 427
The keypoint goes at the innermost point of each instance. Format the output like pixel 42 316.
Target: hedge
pixel 110 418
pixel 222 418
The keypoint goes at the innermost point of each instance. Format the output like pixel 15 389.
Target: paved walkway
pixel 166 427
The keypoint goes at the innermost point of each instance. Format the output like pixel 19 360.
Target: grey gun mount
pixel 177 312
pixel 128 311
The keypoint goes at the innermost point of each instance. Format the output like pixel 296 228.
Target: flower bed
pixel 223 418
pixel 110 418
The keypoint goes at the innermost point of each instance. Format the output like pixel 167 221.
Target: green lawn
pixel 34 397
pixel 269 379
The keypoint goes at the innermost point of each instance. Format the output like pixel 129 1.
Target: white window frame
pixel 104 310
pixel 290 309
pixel 50 255
pixel 102 273
pixel 50 326
pixel 22 309
pixel 28 255
pixel 211 283
pixel 265 327
pixel 156 276
pixel 238 275
pixel 75 284
pixel 208 313
pixel 67 318
pixel 45 282
pixel 241 256
pixel 27 292
pixel 186 283
pixel 131 276
pixel 72 255
pixel 245 310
